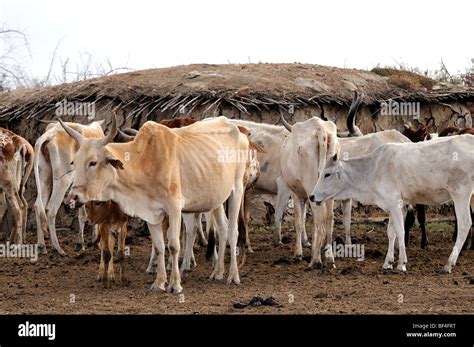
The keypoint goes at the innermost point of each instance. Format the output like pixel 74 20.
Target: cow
pixel 193 223
pixel 168 171
pixel 271 138
pixel 452 131
pixel 111 223
pixel 352 147
pixel 386 178
pixel 417 135
pixel 55 150
pixel 16 163
pixel 303 156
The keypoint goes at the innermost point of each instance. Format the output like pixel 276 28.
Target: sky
pixel 146 34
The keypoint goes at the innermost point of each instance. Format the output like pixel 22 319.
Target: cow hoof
pixel 307 244
pixel 316 265
pixel 216 276
pixel 328 267
pixel 42 249
pixel 297 258
pixel 61 252
pixel 402 268
pixel 79 247
pixel 151 269
pixel 249 249
pixel 155 287
pixel 202 243
pixel 446 269
pixel 174 289
pixel 235 281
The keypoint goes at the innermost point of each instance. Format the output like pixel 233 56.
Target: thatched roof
pixel 247 87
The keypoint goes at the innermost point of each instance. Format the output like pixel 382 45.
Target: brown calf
pixel 111 222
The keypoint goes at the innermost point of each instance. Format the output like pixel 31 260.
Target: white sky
pixel 145 34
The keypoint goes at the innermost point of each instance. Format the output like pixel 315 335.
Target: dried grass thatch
pixel 247 87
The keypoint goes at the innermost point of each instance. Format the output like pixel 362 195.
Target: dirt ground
pixel 67 285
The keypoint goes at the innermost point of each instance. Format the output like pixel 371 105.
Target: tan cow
pixel 168 171
pixel 16 163
pixel 53 173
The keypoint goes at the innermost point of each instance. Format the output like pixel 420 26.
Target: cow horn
pixel 130 131
pixel 285 123
pixel 122 137
pixel 71 132
pixel 113 131
pixel 356 101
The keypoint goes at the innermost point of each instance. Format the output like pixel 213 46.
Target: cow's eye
pixel 327 175
pixel 72 163
pixel 98 203
pixel 92 163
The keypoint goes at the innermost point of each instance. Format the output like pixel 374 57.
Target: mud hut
pixel 256 92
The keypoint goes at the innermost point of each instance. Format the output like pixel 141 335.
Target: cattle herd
pixel 177 172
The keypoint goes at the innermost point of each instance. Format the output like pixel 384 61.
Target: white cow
pixel 53 174
pixel 352 147
pixel 303 156
pixel 428 173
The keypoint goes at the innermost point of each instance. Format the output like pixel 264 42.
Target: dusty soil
pixel 48 285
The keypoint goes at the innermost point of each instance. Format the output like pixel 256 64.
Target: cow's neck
pixel 360 176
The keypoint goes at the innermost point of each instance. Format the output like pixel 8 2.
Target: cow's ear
pixel 335 157
pixel 115 163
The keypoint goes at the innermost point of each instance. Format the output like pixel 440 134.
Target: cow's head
pixel 94 166
pixel 330 183
pixel 98 211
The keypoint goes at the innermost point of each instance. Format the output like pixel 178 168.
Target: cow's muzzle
pixel 312 198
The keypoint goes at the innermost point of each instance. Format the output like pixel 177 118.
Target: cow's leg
pixel 201 237
pixel 235 203
pixel 283 195
pixel 396 215
pixel 304 236
pixel 151 269
pixel 420 213
pixel 24 208
pixel 121 253
pixel 329 229
pixel 103 245
pixel 409 221
pixel 80 235
pixel 318 235
pixel 14 204
pixel 54 203
pixel 190 226
pixel 299 222
pixel 222 227
pixel 43 184
pixel 244 219
pixel 346 219
pixel 390 258
pixel 41 224
pixel 110 265
pixel 174 247
pixel 463 214
pixel 156 234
